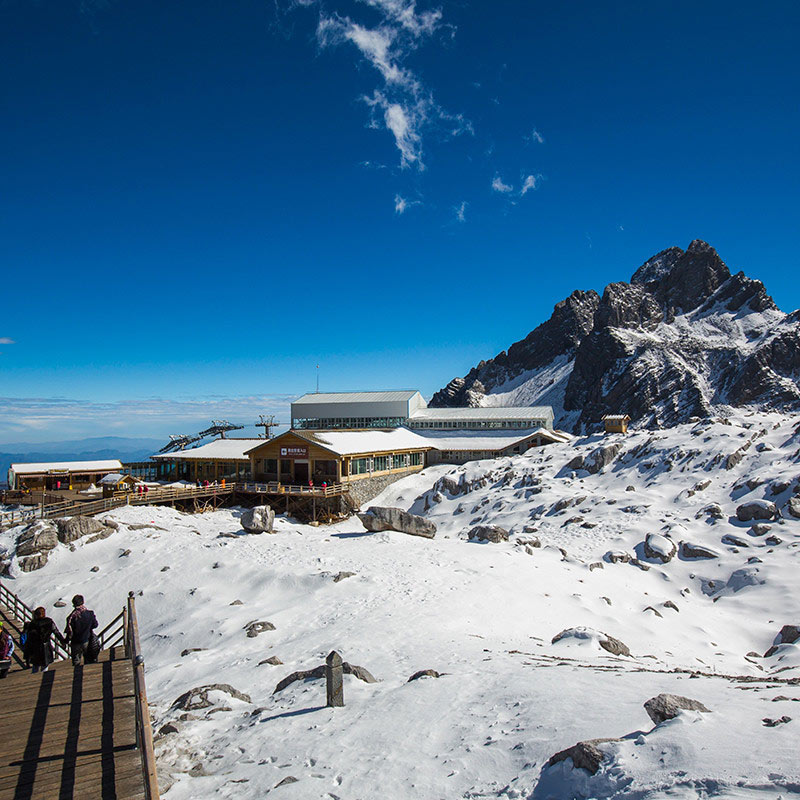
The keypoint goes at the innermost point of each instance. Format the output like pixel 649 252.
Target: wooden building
pixel 459 447
pixel 616 423
pixel 301 457
pixel 53 476
pixel 222 459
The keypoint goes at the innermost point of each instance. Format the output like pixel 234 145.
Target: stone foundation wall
pixel 367 488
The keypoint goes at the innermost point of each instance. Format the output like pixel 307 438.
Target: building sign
pixel 294 452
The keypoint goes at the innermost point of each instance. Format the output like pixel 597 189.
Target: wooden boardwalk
pixel 73 732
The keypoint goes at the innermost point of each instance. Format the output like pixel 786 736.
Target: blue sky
pixel 200 201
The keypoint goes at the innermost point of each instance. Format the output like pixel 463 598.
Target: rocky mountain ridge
pixel 684 338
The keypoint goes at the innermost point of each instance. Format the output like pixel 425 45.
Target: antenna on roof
pixel 267 423
pixel 219 427
pixel 317 378
pixel 178 441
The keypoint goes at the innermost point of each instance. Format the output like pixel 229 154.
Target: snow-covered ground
pixel 484 615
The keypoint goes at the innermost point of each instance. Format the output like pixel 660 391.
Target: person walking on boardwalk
pixel 80 624
pixel 38 645
pixel 6 650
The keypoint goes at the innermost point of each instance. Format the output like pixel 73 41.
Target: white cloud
pixel 400 204
pixel 536 137
pixel 6 340
pixel 401 104
pixel 461 211
pixel 530 182
pixel 499 186
pixel 53 419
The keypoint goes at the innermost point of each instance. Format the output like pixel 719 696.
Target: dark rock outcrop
pixel 659 348
pixel 667 706
pixel 585 755
pixel 380 518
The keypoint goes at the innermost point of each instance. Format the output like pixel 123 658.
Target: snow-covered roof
pixel 615 417
pixel 355 397
pixel 346 443
pixel 491 412
pixel 219 450
pixel 112 477
pixel 486 440
pixel 66 466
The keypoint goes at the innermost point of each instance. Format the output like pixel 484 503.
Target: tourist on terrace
pixel 38 645
pixel 80 624
pixel 6 651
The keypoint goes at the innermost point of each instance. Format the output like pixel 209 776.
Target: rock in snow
pixel 259 519
pixel 377 519
pixel 690 550
pixel 488 533
pixel 756 509
pixel 659 547
pixel 667 706
pixel 585 755
pixel 609 643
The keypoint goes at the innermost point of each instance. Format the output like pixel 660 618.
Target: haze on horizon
pixel 202 203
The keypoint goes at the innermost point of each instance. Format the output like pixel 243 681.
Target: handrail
pixel 144 729
pixel 22 612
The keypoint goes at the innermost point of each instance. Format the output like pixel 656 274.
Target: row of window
pixel 479 424
pixel 344 423
pixel 363 466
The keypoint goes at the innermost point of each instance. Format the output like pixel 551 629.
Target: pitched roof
pixel 484 412
pixel 355 397
pixel 486 440
pixel 219 450
pixel 67 466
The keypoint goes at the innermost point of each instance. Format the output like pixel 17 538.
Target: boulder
pixel 36 561
pixel 659 547
pixel 37 537
pixel 72 528
pixel 258 519
pixel 597 460
pixel 779 487
pixel 734 541
pixel 319 672
pixel 382 518
pixel 759 529
pixel 198 698
pixel 273 661
pixel 340 576
pixel 424 673
pixel 756 509
pixel 488 533
pixel 667 706
pixel 608 643
pixel 254 628
pixel 793 507
pixel 617 557
pixel 585 755
pixel 788 634
pixel 689 550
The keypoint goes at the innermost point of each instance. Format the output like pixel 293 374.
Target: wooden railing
pixel 71 508
pixel 23 613
pixel 144 728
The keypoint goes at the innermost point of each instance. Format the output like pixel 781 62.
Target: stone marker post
pixel 334 680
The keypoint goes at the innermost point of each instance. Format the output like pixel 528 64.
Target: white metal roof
pixel 112 477
pixel 356 397
pixel 486 440
pixel 346 443
pixel 66 466
pixel 615 417
pixel 491 412
pixel 219 449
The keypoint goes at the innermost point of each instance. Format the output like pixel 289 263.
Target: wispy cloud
pixel 536 137
pixel 401 105
pixel 499 186
pixel 6 340
pixel 400 204
pixel 461 211
pixel 55 418
pixel 530 182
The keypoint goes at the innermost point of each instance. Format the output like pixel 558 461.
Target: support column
pixel 334 680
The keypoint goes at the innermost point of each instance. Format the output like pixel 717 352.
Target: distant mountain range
pixel 683 338
pixel 92 449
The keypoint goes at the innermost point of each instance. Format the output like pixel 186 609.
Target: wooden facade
pixel 299 460
pixel 616 423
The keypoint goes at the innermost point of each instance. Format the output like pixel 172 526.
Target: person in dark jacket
pixel 38 648
pixel 80 624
